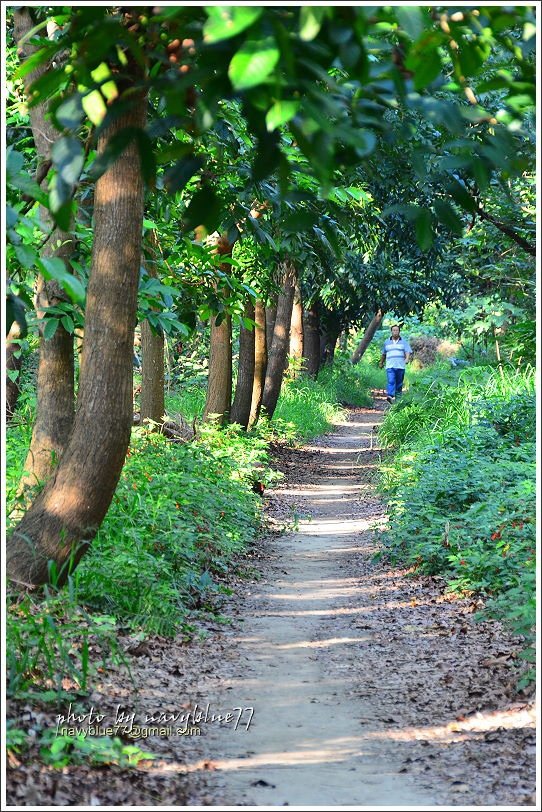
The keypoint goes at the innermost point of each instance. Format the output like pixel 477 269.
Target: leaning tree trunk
pixel 311 346
pixel 279 345
pixel 368 336
pixel 240 410
pixel 55 381
pixel 152 398
pixel 61 522
pixel 260 362
pixel 296 329
pixel 13 366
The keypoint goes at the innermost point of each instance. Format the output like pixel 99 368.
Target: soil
pixel 355 683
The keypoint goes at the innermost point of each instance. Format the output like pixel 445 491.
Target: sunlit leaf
pixel 253 63
pixel 226 21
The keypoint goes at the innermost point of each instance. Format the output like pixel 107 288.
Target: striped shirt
pixel 395 352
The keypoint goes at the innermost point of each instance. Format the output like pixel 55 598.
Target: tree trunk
pixel 60 524
pixel 13 365
pixel 152 376
pixel 311 333
pixel 270 317
pixel 296 329
pixel 55 381
pixel 240 412
pixel 368 335
pixel 260 362
pixel 280 343
pixel 328 345
pixel 218 401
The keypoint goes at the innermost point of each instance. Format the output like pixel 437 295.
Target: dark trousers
pixel 395 381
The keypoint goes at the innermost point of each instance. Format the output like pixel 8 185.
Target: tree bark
pixel 260 362
pixel 13 364
pixel 219 386
pixel 311 333
pixel 55 381
pixel 368 336
pixel 296 329
pixel 152 397
pixel 280 343
pixel 328 344
pixel 218 401
pixel 270 318
pixel 240 411
pixel 61 522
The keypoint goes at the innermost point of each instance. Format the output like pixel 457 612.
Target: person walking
pixel 396 354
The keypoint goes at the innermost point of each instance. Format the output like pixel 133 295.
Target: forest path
pixel 306 744
pixel 362 681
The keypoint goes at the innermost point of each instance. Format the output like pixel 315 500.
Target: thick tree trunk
pixel 368 335
pixel 280 343
pixel 311 334
pixel 296 329
pixel 240 411
pixel 152 398
pixel 55 381
pixel 260 362
pixel 63 519
pixel 13 366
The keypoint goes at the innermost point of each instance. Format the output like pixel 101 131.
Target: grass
pixel 461 487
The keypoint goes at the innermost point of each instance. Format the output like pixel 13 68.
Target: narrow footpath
pixel 368 687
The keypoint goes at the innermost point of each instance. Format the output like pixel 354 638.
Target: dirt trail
pixel 305 744
pixel 336 673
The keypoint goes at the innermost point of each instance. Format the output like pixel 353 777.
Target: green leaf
pixel 424 230
pixel 94 106
pixel 253 63
pixel 176 178
pixel 14 162
pixel 49 330
pixel 204 209
pixel 26 255
pixel 54 268
pixel 299 221
pixel 310 21
pixel 447 215
pixel 70 113
pixel 410 18
pixel 280 113
pixel 68 157
pixel 426 67
pixel 224 22
pixel 461 196
pixel 15 311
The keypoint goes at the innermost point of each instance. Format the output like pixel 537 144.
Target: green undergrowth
pixel 307 408
pixel 182 515
pixel 461 488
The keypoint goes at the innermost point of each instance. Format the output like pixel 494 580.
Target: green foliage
pixel 48 645
pixel 308 406
pixel 61 750
pixel 461 487
pixel 180 515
